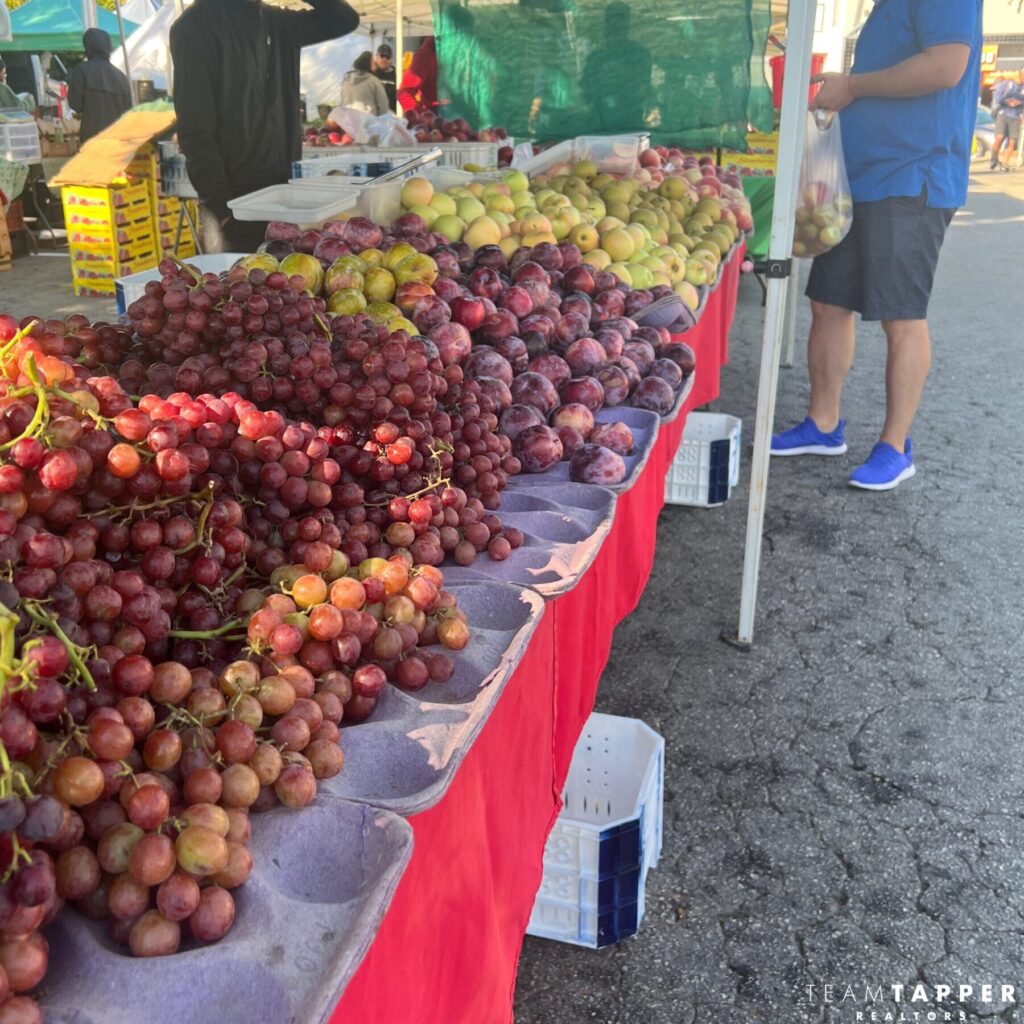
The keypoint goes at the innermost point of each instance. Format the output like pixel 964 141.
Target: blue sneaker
pixel 884 469
pixel 806 439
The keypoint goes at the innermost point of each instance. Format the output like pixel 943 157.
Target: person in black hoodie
pixel 97 91
pixel 236 96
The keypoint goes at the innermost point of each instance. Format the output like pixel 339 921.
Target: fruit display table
pixel 449 943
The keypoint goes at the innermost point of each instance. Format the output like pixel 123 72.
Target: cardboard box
pixel 105 159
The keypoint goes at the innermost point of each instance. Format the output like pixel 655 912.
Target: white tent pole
pixel 799 42
pixel 124 50
pixel 399 51
pixel 89 16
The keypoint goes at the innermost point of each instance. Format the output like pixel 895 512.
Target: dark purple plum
pixel 611 341
pixel 668 371
pixel 595 464
pixel 584 356
pixel 537 448
pixel 430 312
pixel 491 256
pixel 487 362
pixel 555 368
pixel 501 324
pixel 535 389
pixel 574 415
pixel 630 368
pixel 637 300
pixel 682 355
pixel 496 391
pixel 453 342
pixel 641 353
pixel 651 335
pixel 616 384
pixel 654 394
pixel 547 255
pixel 513 349
pixel 571 440
pixel 615 436
pixel 518 417
pixel 585 390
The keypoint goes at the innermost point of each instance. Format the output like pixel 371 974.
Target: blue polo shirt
pixel 897 147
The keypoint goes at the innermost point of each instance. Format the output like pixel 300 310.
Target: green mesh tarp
pixel 688 71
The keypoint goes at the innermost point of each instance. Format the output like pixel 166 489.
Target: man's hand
pixel 835 92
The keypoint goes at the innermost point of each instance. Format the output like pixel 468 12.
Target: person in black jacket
pixel 236 96
pixel 97 91
pixel 385 71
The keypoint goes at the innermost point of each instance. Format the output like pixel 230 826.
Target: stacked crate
pixel 166 209
pixel 110 233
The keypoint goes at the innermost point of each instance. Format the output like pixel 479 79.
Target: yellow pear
pixel 597 258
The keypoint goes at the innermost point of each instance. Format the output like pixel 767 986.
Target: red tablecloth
pixel 448 948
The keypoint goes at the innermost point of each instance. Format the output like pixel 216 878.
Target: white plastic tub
pixel 306 205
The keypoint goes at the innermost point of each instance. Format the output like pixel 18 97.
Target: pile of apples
pixel 823 220
pixel 652 229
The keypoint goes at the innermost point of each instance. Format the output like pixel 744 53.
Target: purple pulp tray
pixel 644 425
pixel 405 756
pixel 564 528
pixel 322 882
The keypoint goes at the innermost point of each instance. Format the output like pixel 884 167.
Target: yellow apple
pixel 584 237
pixel 444 204
pixel 379 284
pixel 428 213
pixel 622 272
pixel 516 181
pixel 451 227
pixel 482 231
pixel 597 258
pixel 509 244
pixel 417 192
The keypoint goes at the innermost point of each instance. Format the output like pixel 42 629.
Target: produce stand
pixel 458 917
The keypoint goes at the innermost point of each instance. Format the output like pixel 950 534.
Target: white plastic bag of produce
pixel 824 211
pixel 372 130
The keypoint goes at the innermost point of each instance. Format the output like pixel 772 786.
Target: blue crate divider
pixel 607 837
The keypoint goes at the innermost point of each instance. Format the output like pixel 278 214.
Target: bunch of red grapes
pixel 197 593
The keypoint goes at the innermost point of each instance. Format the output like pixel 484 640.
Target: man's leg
pixel 910 357
pixel 830 347
pixel 997 144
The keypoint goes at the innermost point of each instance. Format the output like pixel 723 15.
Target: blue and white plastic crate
pixel 607 837
pixel 707 466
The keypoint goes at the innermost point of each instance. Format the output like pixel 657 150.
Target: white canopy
pixel 5 24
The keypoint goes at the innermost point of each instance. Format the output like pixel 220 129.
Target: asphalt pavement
pixel 843 805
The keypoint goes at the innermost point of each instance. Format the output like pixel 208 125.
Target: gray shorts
pixel 884 268
pixel 1008 127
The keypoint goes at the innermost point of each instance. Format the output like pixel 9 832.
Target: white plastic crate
pixel 607 837
pixel 357 161
pixel 128 289
pixel 458 154
pixel 19 141
pixel 707 465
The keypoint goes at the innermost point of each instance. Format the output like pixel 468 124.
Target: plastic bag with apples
pixel 824 211
pixel 371 129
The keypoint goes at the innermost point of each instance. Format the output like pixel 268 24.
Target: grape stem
pixel 206 492
pixel 18 335
pixel 195 275
pixel 49 622
pixel 42 407
pixel 206 634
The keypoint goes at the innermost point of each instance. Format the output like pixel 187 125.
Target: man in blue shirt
pixel 1007 101
pixel 908 109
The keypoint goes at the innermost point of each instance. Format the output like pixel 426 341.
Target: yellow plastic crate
pixel 114 260
pixel 186 246
pixel 108 197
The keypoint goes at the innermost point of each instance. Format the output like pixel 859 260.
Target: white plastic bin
pixel 383 203
pixel 306 205
pixel 707 466
pixel 128 289
pixel 607 837
pixel 19 141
